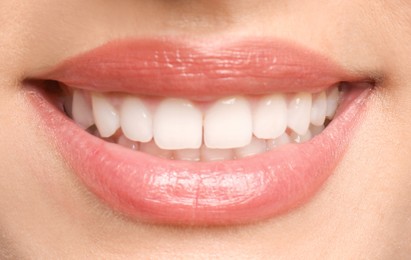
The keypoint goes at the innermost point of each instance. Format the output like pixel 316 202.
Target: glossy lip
pixel 200 70
pixel 213 193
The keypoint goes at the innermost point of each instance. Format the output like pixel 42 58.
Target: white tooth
pixel 256 146
pixel 187 155
pixel 136 120
pixel 105 115
pixel 301 138
pixel 178 125
pixel 124 141
pixel 282 140
pixel 299 112
pixel 270 117
pixel 68 105
pixel 153 149
pixel 228 124
pixel 81 110
pixel 316 130
pixel 208 154
pixel 319 109
pixel 333 97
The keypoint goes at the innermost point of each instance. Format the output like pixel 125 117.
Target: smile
pixel 191 133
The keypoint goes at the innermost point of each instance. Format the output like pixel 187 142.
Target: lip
pixel 200 70
pixel 156 190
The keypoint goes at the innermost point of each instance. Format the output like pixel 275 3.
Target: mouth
pixel 201 133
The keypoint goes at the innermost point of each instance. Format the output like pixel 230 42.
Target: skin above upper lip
pixel 205 193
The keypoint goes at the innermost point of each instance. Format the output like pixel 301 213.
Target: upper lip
pixel 169 67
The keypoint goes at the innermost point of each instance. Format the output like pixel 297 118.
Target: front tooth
pixel 124 141
pixel 192 155
pixel 256 146
pixel 270 117
pixel 136 120
pixel 332 102
pixel 209 154
pixel 81 110
pixel 319 109
pixel 299 113
pixel 153 149
pixel 282 140
pixel 177 125
pixel 228 124
pixel 105 115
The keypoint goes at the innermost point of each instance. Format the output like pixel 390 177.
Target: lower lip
pixel 155 190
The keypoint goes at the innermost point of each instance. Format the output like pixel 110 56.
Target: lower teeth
pixel 205 154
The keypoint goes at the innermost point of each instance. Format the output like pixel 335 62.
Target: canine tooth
pixel 333 97
pixel 153 149
pixel 228 124
pixel 81 110
pixel 187 155
pixel 177 125
pixel 256 146
pixel 316 130
pixel 301 138
pixel 299 112
pixel 282 140
pixel 209 154
pixel 319 109
pixel 270 117
pixel 136 120
pixel 105 115
pixel 124 141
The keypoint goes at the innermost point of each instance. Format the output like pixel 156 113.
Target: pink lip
pixel 173 192
pixel 200 70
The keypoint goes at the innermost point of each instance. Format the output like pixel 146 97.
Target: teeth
pixel 301 138
pixel 270 117
pixel 81 110
pixel 299 113
pixel 125 142
pixel 153 149
pixel 208 154
pixel 136 120
pixel 178 125
pixel 316 130
pixel 319 109
pixel 282 140
pixel 256 146
pixel 228 124
pixel 105 115
pixel 333 96
pixel 234 127
pixel 192 155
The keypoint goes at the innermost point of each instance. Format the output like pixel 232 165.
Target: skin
pixel 362 212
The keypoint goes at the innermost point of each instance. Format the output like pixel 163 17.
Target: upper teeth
pixel 177 125
pixel 299 113
pixel 228 123
pixel 136 120
pixel 270 117
pixel 105 115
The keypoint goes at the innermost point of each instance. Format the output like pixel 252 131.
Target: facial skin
pixel 364 209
